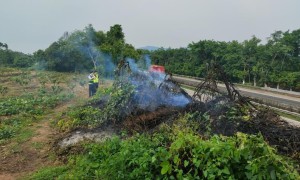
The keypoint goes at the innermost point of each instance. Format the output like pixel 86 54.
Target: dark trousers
pixel 96 86
pixel 91 89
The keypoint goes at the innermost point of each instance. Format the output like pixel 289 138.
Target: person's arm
pixel 91 76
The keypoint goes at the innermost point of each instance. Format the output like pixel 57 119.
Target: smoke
pixel 154 89
pixel 133 66
pixel 84 43
pixel 147 61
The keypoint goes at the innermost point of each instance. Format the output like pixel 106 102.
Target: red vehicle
pixel 157 68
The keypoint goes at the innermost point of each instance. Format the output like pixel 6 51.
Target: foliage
pixel 118 104
pixel 6 132
pixel 3 90
pixel 109 104
pixel 23 79
pixel 14 127
pixel 80 116
pixel 51 173
pixel 18 110
pixel 83 50
pixel 11 58
pixel 86 115
pixel 177 153
pixel 31 104
pixel 275 63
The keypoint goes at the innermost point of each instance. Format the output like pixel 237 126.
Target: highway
pixel 287 102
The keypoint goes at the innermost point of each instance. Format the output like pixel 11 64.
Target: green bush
pixel 115 106
pixel 180 155
pixel 85 116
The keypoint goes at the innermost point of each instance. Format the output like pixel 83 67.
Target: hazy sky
pixel 29 25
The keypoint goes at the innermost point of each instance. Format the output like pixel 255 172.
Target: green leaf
pixel 153 159
pixel 186 163
pixel 165 167
pixel 205 173
pixel 272 173
pixel 94 165
pixel 226 171
pixel 176 159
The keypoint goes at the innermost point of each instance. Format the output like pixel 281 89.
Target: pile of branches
pixel 227 112
pixel 143 120
pixel 279 133
pixel 246 117
pixel 141 100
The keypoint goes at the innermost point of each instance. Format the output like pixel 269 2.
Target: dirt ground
pixel 18 160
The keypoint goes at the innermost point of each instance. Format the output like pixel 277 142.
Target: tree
pixel 279 53
pixel 22 60
pixel 3 45
pixel 249 55
pixel 114 43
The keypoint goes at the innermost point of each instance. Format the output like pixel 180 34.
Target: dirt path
pixel 19 159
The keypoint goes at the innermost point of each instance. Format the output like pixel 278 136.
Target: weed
pixel 24 135
pixel 48 173
pixel 6 132
pixel 3 90
pixel 37 145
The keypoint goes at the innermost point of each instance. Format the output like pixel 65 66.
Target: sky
pixel 30 25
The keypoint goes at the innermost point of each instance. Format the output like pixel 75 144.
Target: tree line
pixel 81 50
pixel 13 58
pixel 275 63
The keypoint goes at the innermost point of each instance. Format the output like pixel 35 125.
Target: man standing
pixel 93 83
pixel 96 82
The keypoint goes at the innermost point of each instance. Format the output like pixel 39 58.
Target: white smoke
pixel 152 90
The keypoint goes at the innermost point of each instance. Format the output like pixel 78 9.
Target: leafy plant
pixel 118 105
pixel 114 104
pixel 3 90
pixel 6 132
pixel 50 173
pixel 178 153
pixel 23 79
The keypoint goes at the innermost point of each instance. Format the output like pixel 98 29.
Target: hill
pixel 149 48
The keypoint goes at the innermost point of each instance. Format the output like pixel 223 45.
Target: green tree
pixel 3 45
pixel 249 55
pixel 279 53
pixel 114 43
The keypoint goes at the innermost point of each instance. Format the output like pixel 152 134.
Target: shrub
pixel 180 155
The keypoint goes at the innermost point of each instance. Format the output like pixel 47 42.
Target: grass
pixel 48 173
pixel 37 145
pixel 16 148
pixel 20 108
pixel 187 87
pixel 24 135
pixel 290 116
